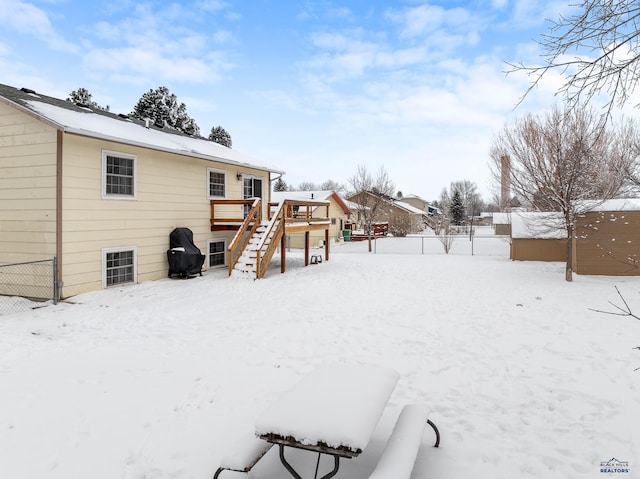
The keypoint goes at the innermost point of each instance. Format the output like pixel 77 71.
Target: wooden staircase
pixel 257 252
pixel 256 242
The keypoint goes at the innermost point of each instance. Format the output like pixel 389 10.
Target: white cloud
pixel 424 20
pixel 323 10
pixel 527 13
pixel 25 18
pixel 157 45
pixel 211 5
pixel 153 66
pixel 341 56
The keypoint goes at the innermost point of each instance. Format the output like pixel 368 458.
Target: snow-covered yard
pixel 157 380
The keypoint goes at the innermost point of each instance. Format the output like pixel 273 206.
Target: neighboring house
pixel 606 239
pixel 397 213
pixel 339 215
pixel 483 219
pixel 102 192
pixel 416 202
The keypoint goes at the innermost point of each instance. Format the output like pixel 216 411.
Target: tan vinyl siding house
pixel 416 202
pixel 397 213
pixel 28 187
pixel 95 189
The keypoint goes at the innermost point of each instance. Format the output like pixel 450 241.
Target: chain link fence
pixel 28 285
pixel 456 244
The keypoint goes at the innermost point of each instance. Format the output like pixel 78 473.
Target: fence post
pixel 56 292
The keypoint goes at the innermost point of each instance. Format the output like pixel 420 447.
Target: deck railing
pixel 274 232
pixel 229 212
pixel 303 211
pixel 248 227
pixel 289 215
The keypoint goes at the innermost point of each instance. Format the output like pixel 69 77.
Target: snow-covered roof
pixel 538 225
pixel 412 196
pixel 95 123
pixel 409 208
pixel 353 205
pixel 501 218
pixel 320 195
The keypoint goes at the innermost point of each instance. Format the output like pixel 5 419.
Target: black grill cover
pixel 185 259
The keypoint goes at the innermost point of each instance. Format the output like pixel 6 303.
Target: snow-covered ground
pixel 158 380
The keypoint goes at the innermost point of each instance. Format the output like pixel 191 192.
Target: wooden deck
pixel 289 216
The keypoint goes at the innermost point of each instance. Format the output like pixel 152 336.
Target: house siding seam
pixel 28 153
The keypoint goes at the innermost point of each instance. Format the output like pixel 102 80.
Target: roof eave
pixel 96 135
pixel 31 113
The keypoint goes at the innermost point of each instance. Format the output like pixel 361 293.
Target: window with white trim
pixel 118 175
pixel 217 252
pixel 217 183
pixel 119 266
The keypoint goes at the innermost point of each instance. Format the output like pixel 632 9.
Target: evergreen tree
pixel 457 209
pixel 82 97
pixel 161 106
pixel 280 185
pixel 221 136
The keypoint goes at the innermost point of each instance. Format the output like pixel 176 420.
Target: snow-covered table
pixel 333 410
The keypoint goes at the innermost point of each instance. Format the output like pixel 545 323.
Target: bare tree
pixel 627 138
pixel 563 161
pixel 401 225
pixel 620 310
pixel 331 185
pixel 328 185
pixel 446 237
pixel 437 223
pixel 596 48
pixel 369 195
pixel 307 186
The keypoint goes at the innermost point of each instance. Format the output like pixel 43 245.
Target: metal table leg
pixel 436 431
pixel 294 473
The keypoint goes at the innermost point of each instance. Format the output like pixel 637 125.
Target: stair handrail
pixel 275 226
pixel 240 240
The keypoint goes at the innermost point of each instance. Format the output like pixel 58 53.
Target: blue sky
pixel 313 87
